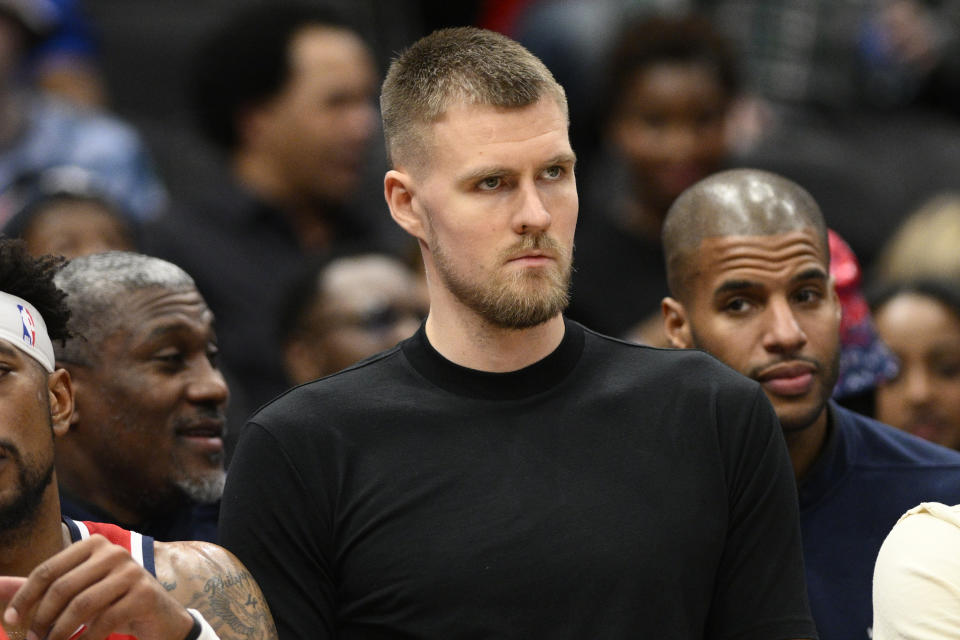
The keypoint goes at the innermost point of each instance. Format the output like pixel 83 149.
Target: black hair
pixel 35 22
pixel 32 192
pixel 246 61
pixel 649 40
pixel 302 292
pixel 944 291
pixel 31 278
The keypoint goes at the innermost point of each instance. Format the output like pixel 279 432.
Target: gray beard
pixel 206 489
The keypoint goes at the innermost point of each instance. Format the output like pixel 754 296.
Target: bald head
pixel 740 202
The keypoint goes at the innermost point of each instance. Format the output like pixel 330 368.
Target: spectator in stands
pixel 865 361
pixel 60 579
pixel 748 266
pixel 287 92
pixel 920 321
pixel 66 64
pixel 924 246
pixel 63 211
pixel 670 84
pixel 38 132
pixel 346 310
pixel 144 448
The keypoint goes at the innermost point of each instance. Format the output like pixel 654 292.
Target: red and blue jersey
pixel 139 546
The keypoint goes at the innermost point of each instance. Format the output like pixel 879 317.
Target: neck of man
pixel 461 336
pixel 123 503
pixel 308 216
pixel 40 537
pixel 805 445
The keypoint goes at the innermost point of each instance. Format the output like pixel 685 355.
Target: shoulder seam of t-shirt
pixel 286 456
pixel 358 365
pixel 640 345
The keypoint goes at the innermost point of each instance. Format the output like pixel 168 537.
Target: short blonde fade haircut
pixel 460 65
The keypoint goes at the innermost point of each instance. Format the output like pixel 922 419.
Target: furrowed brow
pixel 731 286
pixel 814 273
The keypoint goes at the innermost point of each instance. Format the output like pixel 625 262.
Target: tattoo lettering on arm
pixel 233 602
pixel 212 581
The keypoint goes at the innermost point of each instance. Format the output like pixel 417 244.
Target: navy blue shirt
pixel 197 522
pixel 868 475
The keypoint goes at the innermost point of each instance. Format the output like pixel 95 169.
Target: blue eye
pixel 490 184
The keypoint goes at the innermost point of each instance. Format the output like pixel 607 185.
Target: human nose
pixel 783 333
pixel 681 142
pixel 532 215
pixel 208 386
pixel 917 388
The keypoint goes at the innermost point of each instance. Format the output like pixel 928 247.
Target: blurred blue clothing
pixel 197 522
pixel 866 477
pixel 57 134
pixel 73 34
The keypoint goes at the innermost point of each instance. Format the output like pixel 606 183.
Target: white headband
pixel 23 327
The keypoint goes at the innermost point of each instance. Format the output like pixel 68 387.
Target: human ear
pixel 60 392
pixel 398 190
pixel 675 323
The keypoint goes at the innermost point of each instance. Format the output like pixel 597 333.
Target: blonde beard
pixel 517 300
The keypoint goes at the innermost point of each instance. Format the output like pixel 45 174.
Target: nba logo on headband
pixel 29 326
pixel 22 326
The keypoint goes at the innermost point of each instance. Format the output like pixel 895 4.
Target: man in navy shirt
pixel 748 267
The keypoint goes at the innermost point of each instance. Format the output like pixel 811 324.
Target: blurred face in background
pixel 317 130
pixel 670 127
pixel 924 399
pixel 363 305
pixel 13 41
pixel 76 227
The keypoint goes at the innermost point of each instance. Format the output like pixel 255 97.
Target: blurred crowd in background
pixel 222 136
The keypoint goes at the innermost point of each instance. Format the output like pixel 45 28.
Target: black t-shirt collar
pixel 514 385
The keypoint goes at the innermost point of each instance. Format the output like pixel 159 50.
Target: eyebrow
pixel 7 350
pixel 814 273
pixel 494 172
pixel 736 285
pixel 173 328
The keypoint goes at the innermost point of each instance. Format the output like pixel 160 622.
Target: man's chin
pixel 795 419
pixel 203 488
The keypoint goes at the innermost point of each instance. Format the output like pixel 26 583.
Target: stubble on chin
pixel 513 299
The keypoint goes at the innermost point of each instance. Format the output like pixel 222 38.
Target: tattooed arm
pixel 210 579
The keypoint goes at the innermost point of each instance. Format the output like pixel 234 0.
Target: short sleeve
pixel 271 521
pixel 916 580
pixel 761 588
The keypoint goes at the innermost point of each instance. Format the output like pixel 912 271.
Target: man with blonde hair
pixel 506 473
